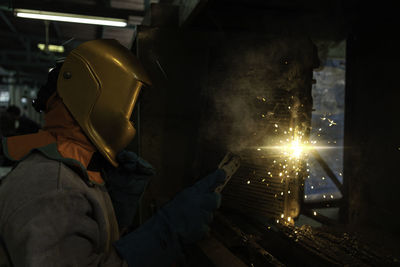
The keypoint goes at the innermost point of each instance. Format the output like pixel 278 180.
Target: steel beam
pixel 56 28
pixel 99 32
pixel 319 217
pixel 19 53
pixel 8 22
pixel 36 38
pixel 14 63
pixel 323 204
pixel 188 10
pixel 13 29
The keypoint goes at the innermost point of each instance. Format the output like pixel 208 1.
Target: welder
pixel 74 186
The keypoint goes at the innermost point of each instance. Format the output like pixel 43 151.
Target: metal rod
pixel 8 22
pixel 323 204
pixel 318 217
pixel 13 29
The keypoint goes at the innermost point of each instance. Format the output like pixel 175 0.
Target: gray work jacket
pixel 49 216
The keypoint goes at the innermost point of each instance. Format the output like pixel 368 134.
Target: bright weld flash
pixel 295 149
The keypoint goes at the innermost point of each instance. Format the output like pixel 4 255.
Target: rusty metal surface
pixel 244 245
pixel 268 244
pixel 338 247
pixel 250 241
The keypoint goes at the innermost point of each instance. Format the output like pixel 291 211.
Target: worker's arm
pixel 126 185
pixel 184 220
pixel 60 228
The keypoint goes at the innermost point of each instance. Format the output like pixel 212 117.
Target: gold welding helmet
pixel 99 83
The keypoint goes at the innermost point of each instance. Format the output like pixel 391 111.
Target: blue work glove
pixel 126 185
pixel 190 212
pixel 184 220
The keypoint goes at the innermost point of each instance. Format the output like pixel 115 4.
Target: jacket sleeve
pixel 59 228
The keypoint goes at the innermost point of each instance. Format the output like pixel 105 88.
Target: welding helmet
pixel 99 83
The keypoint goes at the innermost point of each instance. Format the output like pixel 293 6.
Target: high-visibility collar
pixel 60 133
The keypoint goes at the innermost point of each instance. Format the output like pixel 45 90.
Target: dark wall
pixel 372 138
pixel 170 110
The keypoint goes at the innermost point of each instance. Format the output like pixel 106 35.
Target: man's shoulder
pixel 46 174
pixel 34 172
pixel 36 176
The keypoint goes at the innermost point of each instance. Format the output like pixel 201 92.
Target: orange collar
pixel 59 128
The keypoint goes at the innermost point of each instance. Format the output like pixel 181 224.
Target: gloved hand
pixel 185 219
pixel 190 212
pixel 126 185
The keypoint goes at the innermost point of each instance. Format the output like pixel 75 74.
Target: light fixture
pixel 4 96
pixel 52 48
pixel 24 100
pixel 74 18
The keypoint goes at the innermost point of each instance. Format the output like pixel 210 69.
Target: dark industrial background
pixel 210 61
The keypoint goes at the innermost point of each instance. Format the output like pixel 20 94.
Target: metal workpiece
pixel 229 164
pixel 261 110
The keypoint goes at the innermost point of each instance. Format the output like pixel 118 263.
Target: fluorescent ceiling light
pixel 55 16
pixel 52 48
